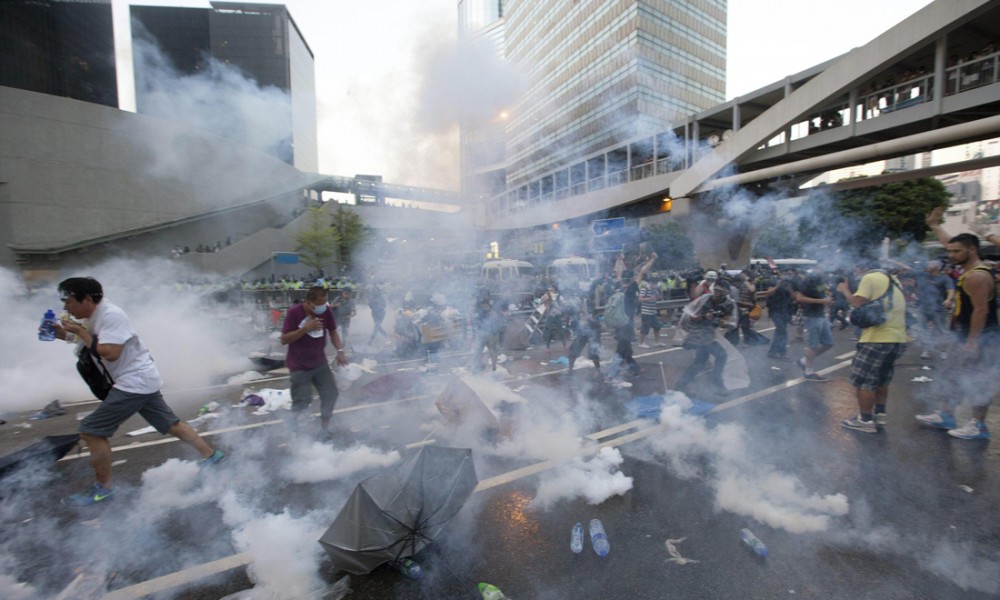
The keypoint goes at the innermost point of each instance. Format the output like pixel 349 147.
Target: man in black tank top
pixel 970 371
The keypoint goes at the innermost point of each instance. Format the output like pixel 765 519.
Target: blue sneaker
pixel 973 430
pixel 216 457
pixel 939 419
pixel 95 495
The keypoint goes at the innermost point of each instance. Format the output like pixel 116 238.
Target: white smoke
pixel 595 480
pixel 742 485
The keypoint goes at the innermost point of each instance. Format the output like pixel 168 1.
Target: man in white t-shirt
pixel 114 345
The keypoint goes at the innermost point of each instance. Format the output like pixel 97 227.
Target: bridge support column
pixel 719 238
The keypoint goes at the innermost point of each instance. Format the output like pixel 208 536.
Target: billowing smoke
pixel 219 99
pixel 742 485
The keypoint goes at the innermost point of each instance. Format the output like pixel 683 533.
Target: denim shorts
pixel 818 332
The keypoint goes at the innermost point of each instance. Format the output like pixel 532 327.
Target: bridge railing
pixel 961 77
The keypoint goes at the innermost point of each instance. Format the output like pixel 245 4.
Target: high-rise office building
pixel 262 40
pixel 600 73
pixel 62 48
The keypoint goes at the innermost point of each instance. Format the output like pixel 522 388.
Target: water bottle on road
pixel 576 539
pixel 491 592
pixel 753 542
pixel 599 539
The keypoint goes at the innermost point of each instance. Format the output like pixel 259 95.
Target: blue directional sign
pixel 603 226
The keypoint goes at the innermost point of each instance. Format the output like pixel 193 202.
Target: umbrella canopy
pixel 391 385
pixel 395 514
pixel 48 449
pixel 460 404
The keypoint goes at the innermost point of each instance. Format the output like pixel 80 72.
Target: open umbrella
pixel 395 514
pixel 48 449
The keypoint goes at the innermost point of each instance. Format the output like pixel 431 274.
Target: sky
pixel 372 58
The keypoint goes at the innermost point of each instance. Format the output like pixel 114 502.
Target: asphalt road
pixel 908 513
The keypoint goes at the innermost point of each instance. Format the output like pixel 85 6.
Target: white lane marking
pixel 187 576
pixel 846 355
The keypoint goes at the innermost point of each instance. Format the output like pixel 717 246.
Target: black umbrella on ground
pixel 390 386
pixel 46 450
pixel 395 514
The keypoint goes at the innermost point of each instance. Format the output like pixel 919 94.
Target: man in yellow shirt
pixel 878 348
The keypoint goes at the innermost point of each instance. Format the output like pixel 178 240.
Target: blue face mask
pixel 318 310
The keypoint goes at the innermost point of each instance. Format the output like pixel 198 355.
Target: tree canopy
pixel 673 247
pixel 317 242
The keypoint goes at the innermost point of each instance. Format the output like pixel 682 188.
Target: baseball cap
pixel 711 275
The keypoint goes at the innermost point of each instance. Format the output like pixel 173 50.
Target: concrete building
pixel 262 40
pixel 63 48
pixel 599 73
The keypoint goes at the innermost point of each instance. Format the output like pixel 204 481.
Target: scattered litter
pixel 52 409
pixel 83 415
pixel 775 368
pixel 460 371
pixel 520 388
pixel 368 365
pixel 142 431
pixel 119 462
pixel 274 399
pixel 562 360
pixel 407 369
pixel 347 375
pixel 251 400
pixel 501 359
pixel 202 419
pixel 675 554
pixel 753 542
pixel 525 357
pixel 926 368
pixel 922 379
pixel 622 384
pixel 543 363
pixel 965 488
pixel 208 408
pixel 22 425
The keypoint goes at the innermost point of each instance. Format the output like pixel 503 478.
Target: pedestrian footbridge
pixel 931 81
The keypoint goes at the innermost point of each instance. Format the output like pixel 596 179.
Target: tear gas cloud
pixel 194 343
pixel 220 99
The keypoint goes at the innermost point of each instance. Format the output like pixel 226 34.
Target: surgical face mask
pixel 319 309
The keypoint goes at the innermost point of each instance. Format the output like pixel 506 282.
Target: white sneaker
pixel 938 419
pixel 971 431
pixel 857 424
pixel 880 419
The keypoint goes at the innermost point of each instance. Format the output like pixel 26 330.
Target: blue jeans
pixel 779 343
pixel 701 355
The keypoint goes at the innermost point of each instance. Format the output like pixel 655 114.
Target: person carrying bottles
pixel 115 348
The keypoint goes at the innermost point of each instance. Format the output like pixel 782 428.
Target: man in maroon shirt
pixel 304 332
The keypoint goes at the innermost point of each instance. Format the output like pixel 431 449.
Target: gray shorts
pixel 818 332
pixel 119 406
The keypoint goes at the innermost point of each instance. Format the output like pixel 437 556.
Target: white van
pixel 784 263
pixel 506 270
pixel 573 272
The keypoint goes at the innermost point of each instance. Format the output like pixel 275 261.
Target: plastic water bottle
pixel 576 539
pixel 47 330
pixel 409 568
pixel 753 542
pixel 491 592
pixel 599 539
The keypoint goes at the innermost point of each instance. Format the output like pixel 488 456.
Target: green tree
pixel 350 232
pixel 674 249
pixel 858 220
pixel 317 242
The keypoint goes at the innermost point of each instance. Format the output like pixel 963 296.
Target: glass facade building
pixel 602 73
pixel 59 48
pixel 261 40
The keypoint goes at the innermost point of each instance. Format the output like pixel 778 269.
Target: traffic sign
pixel 603 226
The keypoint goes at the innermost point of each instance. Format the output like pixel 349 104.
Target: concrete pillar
pixel 717 240
pixel 940 65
